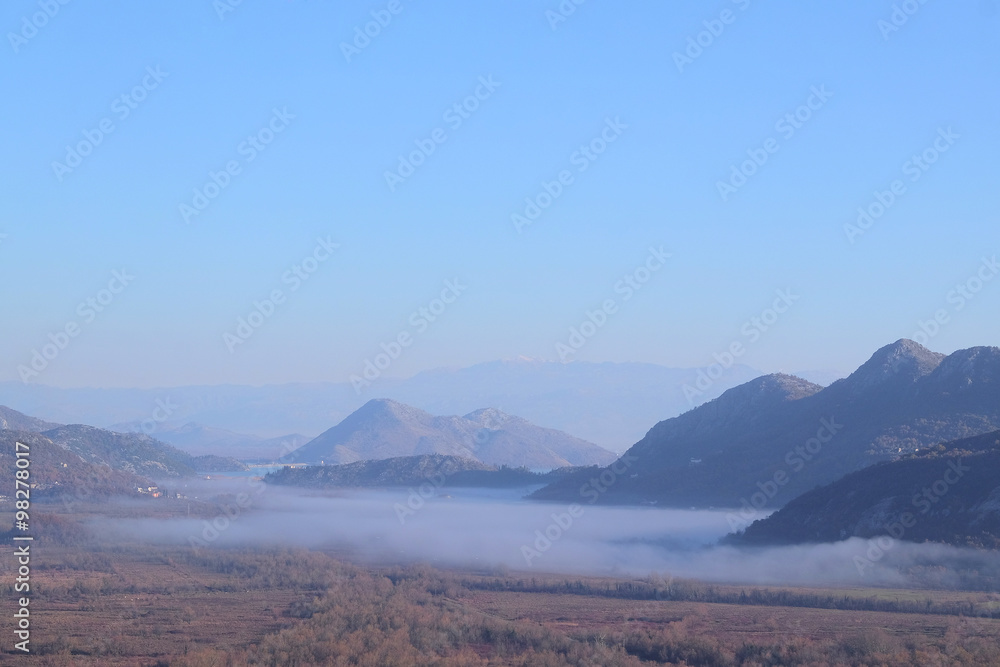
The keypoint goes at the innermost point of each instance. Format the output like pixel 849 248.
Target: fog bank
pixel 486 528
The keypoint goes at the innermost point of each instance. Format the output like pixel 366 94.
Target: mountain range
pixel 12 420
pixel 907 445
pixel 610 404
pixel 201 440
pixel 383 429
pixel 777 436
pixel 59 474
pixel 135 453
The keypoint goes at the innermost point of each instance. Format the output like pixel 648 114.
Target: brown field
pixel 731 623
pixel 95 603
pixel 137 607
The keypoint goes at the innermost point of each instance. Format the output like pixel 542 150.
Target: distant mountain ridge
pixel 131 452
pixel 135 452
pixel 383 429
pixel 722 453
pixel 610 404
pixel 15 421
pixel 201 440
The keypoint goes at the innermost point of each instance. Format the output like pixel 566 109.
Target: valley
pixel 129 603
pixel 365 545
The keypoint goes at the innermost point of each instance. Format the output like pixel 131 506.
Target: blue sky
pixel 555 87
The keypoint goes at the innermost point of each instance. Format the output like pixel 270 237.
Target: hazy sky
pixel 309 117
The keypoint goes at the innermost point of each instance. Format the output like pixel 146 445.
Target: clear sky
pixel 325 114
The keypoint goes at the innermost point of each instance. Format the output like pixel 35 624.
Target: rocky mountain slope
pixel 135 452
pixel 949 493
pixel 131 452
pixel 59 474
pixel 775 437
pixel 16 421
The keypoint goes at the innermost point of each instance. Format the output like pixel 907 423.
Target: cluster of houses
pixel 155 492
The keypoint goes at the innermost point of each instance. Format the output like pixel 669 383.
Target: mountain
pixel 15 421
pixel 722 421
pixel 58 474
pixel 504 439
pixel 822 377
pixel 949 493
pixel 775 437
pixel 606 403
pixel 893 366
pixel 436 470
pixel 135 452
pixel 382 429
pixel 199 439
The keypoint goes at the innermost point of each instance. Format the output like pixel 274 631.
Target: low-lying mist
pixel 489 528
